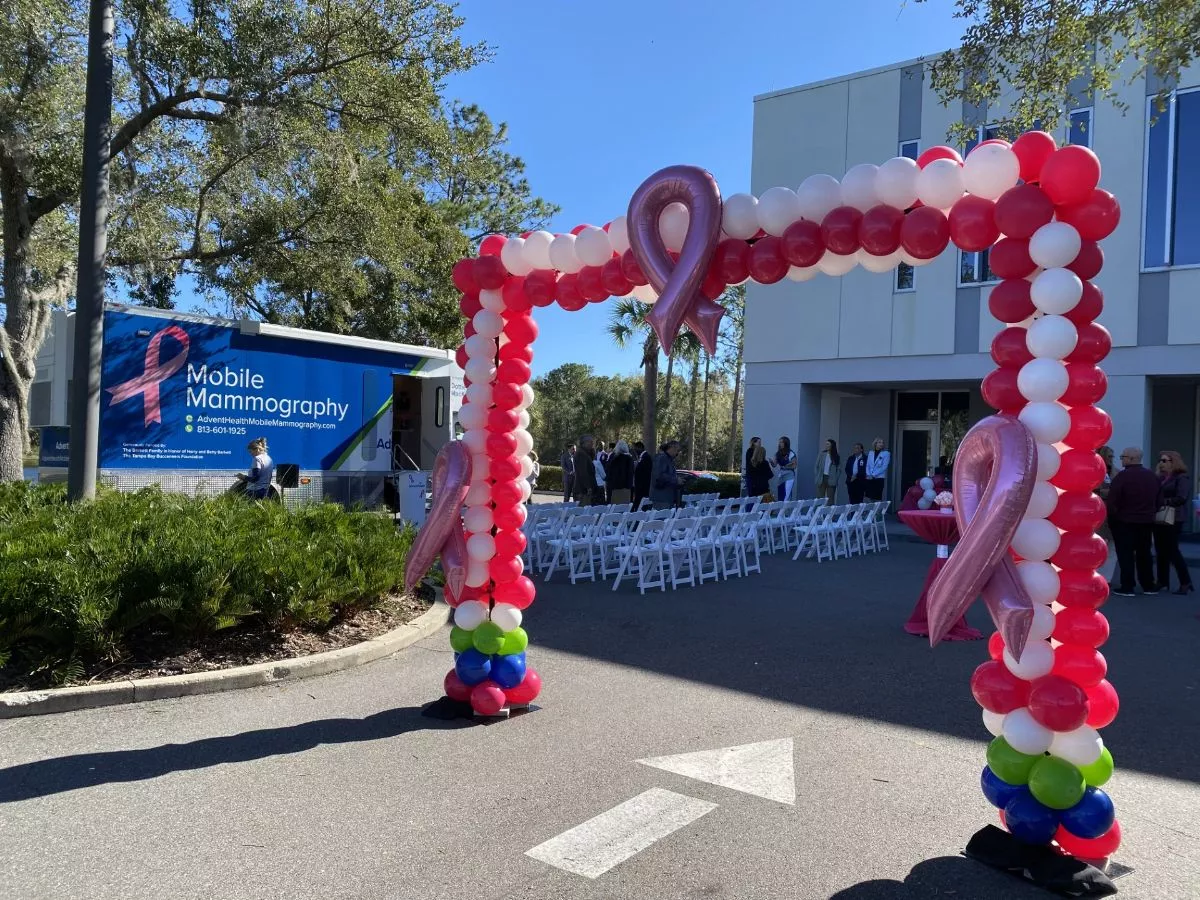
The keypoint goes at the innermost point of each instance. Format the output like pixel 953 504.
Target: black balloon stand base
pixel 1042 865
pixel 449 710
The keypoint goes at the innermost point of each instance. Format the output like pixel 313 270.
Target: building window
pixel 911 149
pixel 906 275
pixel 973 269
pixel 983 133
pixel 1079 130
pixel 1172 219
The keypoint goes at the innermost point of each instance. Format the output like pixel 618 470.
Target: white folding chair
pixel 705 553
pixel 748 543
pixel 811 532
pixel 677 549
pixel 576 544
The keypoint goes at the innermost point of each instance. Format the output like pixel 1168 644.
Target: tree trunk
pixel 692 413
pixel 704 425
pixel 734 443
pixel 650 392
pixel 670 379
pixel 13 430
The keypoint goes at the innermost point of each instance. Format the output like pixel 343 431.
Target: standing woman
pixel 535 472
pixel 620 475
pixel 878 461
pixel 1168 524
pixel 758 470
pixel 826 470
pixel 784 466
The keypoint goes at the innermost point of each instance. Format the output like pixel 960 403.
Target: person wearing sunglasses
pixel 1133 503
pixel 1168 523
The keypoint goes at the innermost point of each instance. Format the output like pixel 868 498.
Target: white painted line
pixel 594 847
pixel 764 769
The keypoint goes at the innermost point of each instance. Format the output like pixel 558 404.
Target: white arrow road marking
pixel 764 769
pixel 594 847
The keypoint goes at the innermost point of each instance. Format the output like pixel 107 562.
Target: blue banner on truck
pixel 54 447
pixel 181 394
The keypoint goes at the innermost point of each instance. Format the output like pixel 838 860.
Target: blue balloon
pixel 508 671
pixel 1090 817
pixel 998 791
pixel 1030 821
pixel 473 667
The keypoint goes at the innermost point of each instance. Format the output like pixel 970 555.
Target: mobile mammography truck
pixel 347 419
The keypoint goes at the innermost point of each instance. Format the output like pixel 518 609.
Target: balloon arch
pixel 1024 486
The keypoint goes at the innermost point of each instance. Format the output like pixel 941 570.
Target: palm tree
pixel 628 326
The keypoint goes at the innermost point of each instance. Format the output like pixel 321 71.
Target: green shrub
pixel 727 484
pixel 78 582
pixel 550 479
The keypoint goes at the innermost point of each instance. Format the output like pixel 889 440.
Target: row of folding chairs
pixel 840 532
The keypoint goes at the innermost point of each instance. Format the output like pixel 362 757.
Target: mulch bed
pixel 153 655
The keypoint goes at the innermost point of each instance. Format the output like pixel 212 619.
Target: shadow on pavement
pixel 830 637
pixel 945 876
pixel 69 773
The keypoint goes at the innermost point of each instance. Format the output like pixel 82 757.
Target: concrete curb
pixel 40 703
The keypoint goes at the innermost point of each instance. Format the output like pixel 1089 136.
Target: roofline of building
pixel 850 76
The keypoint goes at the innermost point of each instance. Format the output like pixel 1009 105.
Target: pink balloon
pixel 442 532
pixel 487 698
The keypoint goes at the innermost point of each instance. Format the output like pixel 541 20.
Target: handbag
pixel 1165 516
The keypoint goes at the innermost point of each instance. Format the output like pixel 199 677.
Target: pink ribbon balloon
pixel 442 532
pixel 994 474
pixel 678 285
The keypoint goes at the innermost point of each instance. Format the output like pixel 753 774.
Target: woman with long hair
pixel 1168 525
pixel 758 469
pixel 784 466
pixel 826 471
pixel 620 474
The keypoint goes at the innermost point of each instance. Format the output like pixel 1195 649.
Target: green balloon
pixel 1007 764
pixel 461 640
pixel 488 638
pixel 515 641
pixel 1056 783
pixel 1100 771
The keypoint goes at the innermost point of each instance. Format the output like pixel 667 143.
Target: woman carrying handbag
pixel 1168 524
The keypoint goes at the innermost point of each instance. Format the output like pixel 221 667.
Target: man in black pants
pixel 1133 500
pixel 856 474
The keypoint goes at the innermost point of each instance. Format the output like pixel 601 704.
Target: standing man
pixel 642 471
pixel 664 479
pixel 878 461
pixel 585 486
pixel 856 474
pixel 567 461
pixel 1133 500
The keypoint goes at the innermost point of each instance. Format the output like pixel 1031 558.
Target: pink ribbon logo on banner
pixel 153 374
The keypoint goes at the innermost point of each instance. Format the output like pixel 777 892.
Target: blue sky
pixel 599 95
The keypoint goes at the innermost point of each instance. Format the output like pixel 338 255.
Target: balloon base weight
pixel 447 710
pixel 1042 865
pixel 515 709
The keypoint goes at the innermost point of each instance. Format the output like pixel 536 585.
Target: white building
pixel 901 355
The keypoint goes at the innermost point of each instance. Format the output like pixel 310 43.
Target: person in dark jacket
pixel 584 488
pixel 642 470
pixel 664 479
pixel 1176 494
pixel 567 461
pixel 1134 498
pixel 856 474
pixel 758 469
pixel 619 482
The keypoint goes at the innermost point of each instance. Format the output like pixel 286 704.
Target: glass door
pixel 918 443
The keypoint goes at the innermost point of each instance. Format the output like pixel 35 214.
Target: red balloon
pixel 504 569
pixel 939 152
pixel 1091 428
pixel 1010 258
pixel 1009 348
pixel 540 286
pixel 1078 470
pixel 510 517
pixel 460 356
pixel 520 327
pixel 454 687
pixel 732 258
pixel 503 421
pixel 1081 588
pixel 613 279
pixel 527 691
pixel 469 329
pixel 469 304
pixel 514 371
pixel 506 468
pixel 1085 666
pixel 839 229
pixel 1079 550
pixel 1032 149
pixel 507 396
pixel 515 296
pixel 879 230
pixel 590 286
pixel 973 223
pixel 925 232
pixel 1022 210
pixel 1084 627
pixel 500 445
pixel 1088 263
pixel 1087 384
pixel 463 276
pixel 492 245
pixel 1000 391
pixel 519 593
pixel 713 285
pixel 632 270
pixel 1103 703
pixel 802 243
pixel 1010 301
pixel 487 698
pixel 570 297
pixel 1093 344
pixel 1089 306
pixel 1057 703
pixel 997 689
pixel 506 493
pixel 1095 218
pixel 767 265
pixel 996 645
pixel 517 350
pixel 1078 511
pixel 1094 849
pixel 509 543
pixel 1070 174
pixel 490 273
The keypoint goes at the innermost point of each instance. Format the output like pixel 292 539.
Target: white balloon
pixel 1025 734
pixel 477 574
pixel 1051 337
pixel 778 207
pixel 909 259
pixel 478 519
pixel 837 264
pixel 878 264
pixel 526 490
pixel 818 196
pixel 1037 659
pixel 475 439
pixel 563 256
pixel 1043 380
pixel 739 216
pixel 524 441
pixel 481 547
pixel 592 246
pixel 1040 580
pixel 506 616
pixel 673 225
pixel 473 416
pixel 993 722
pixel 1056 291
pixel 488 323
pixel 896 182
pixel 1054 245
pixel 645 293
pixel 796 273
pixel 479 346
pixel 940 183
pixel 1043 623
pixel 514 257
pixel 859 187
pixel 618 234
pixel 527 396
pixel 524 419
pixel 1043 501
pixel 1049 423
pixel 481 468
pixel 1080 747
pixel 1047 461
pixel 492 300
pixel 470 615
pixel 537 250
pixel 480 370
pixel 479 493
pixel 990 169
pixel 1036 539
pixel 926 484
pixel 526 467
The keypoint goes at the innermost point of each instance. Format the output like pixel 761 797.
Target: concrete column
pixel 1128 403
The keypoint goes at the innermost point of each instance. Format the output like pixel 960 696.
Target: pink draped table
pixel 941 529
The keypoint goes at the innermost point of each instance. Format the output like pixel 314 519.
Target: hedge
pixel 728 484
pixel 78 583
